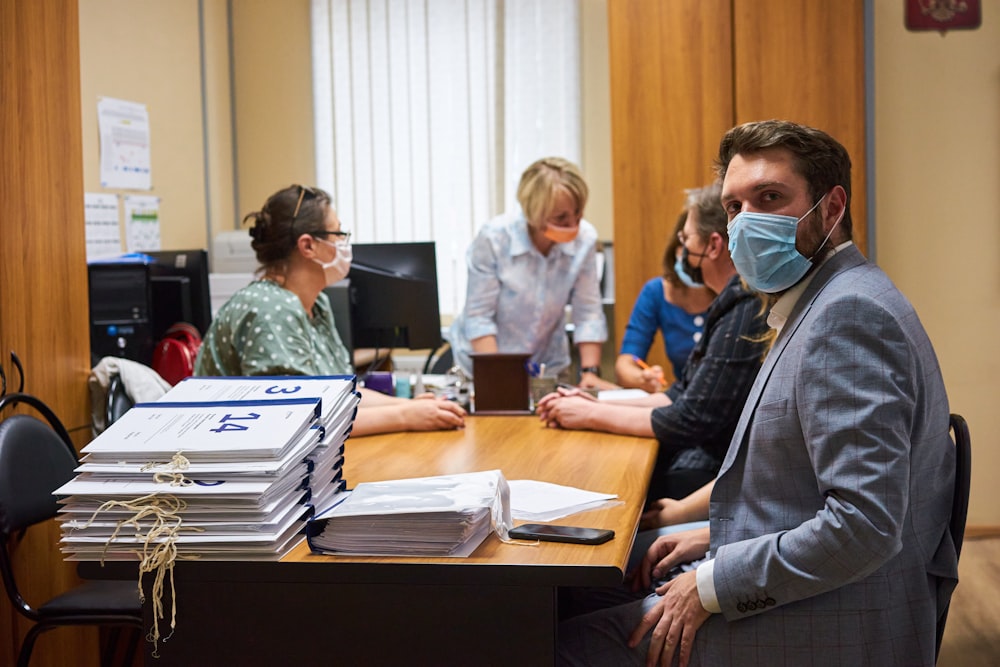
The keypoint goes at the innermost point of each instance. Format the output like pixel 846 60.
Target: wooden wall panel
pixel 804 60
pixel 684 71
pixel 43 280
pixel 671 101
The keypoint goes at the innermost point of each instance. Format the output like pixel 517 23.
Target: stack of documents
pixel 340 400
pixel 238 464
pixel 448 515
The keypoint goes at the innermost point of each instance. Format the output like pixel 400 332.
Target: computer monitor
pixel 180 291
pixel 394 296
pixel 340 303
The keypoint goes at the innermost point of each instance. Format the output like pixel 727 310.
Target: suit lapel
pixel 845 259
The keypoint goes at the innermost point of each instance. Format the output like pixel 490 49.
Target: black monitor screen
pixel 179 282
pixel 394 296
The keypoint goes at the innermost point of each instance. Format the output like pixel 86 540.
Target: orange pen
pixel 644 366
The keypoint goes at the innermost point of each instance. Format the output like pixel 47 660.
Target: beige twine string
pixel 174 473
pixel 159 548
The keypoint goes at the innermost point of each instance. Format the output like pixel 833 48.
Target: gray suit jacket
pixel 829 518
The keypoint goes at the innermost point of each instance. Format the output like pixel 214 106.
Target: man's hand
pixel 666 553
pixel 566 411
pixel 674 621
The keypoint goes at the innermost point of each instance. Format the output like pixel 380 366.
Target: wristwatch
pixel 596 370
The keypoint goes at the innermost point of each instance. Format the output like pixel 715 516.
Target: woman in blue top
pixel 525 267
pixel 674 304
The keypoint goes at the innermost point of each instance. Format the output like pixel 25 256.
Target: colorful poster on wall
pixel 104 238
pixel 124 133
pixel 142 223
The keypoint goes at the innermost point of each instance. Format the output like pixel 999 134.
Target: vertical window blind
pixel 427 112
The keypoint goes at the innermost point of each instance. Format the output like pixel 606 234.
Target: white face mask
pixel 337 269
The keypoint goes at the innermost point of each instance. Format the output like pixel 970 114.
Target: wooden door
pixel 671 102
pixel 43 279
pixel 685 71
pixel 804 60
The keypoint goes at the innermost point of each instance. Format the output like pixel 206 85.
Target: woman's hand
pixel 662 512
pixel 651 379
pixel 426 412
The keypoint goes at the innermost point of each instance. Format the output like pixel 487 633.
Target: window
pixel 427 112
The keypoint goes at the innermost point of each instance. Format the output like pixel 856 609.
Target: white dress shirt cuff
pixel 706 587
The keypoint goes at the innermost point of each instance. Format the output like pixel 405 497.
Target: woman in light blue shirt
pixel 525 267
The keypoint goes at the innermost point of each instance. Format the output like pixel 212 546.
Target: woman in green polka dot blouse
pixel 282 323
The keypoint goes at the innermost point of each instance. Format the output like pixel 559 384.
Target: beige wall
pixel 937 194
pixel 148 52
pixel 273 98
pixel 267 106
pixel 596 122
pixel 937 154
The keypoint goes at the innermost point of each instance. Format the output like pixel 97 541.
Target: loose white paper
pixel 124 133
pixel 142 223
pixel 542 501
pixel 621 394
pixel 104 238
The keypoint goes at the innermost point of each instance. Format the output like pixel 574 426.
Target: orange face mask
pixel 561 234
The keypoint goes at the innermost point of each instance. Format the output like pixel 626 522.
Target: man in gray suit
pixel 829 517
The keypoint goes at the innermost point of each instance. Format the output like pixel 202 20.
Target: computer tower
pixel 120 311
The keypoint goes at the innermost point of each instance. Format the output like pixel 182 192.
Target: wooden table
pixel 496 607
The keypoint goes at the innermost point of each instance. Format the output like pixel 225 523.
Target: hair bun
pixel 260 221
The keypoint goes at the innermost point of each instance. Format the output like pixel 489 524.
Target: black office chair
pixel 960 499
pixel 439 361
pixel 118 400
pixel 35 459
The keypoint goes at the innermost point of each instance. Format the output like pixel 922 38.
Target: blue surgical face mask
pixel 762 246
pixel 680 268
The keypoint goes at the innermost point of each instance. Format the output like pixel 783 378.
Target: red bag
pixel 174 355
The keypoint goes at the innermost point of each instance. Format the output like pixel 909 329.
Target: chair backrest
pixel 35 459
pixel 963 479
pixel 118 400
pixel 959 501
pixel 439 361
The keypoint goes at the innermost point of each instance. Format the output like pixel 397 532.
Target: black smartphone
pixel 551 533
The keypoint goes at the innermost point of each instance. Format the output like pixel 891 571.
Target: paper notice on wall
pixel 104 238
pixel 142 223
pixel 124 133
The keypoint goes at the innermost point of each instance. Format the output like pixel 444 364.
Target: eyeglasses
pixel 341 235
pixel 303 191
pixel 683 239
